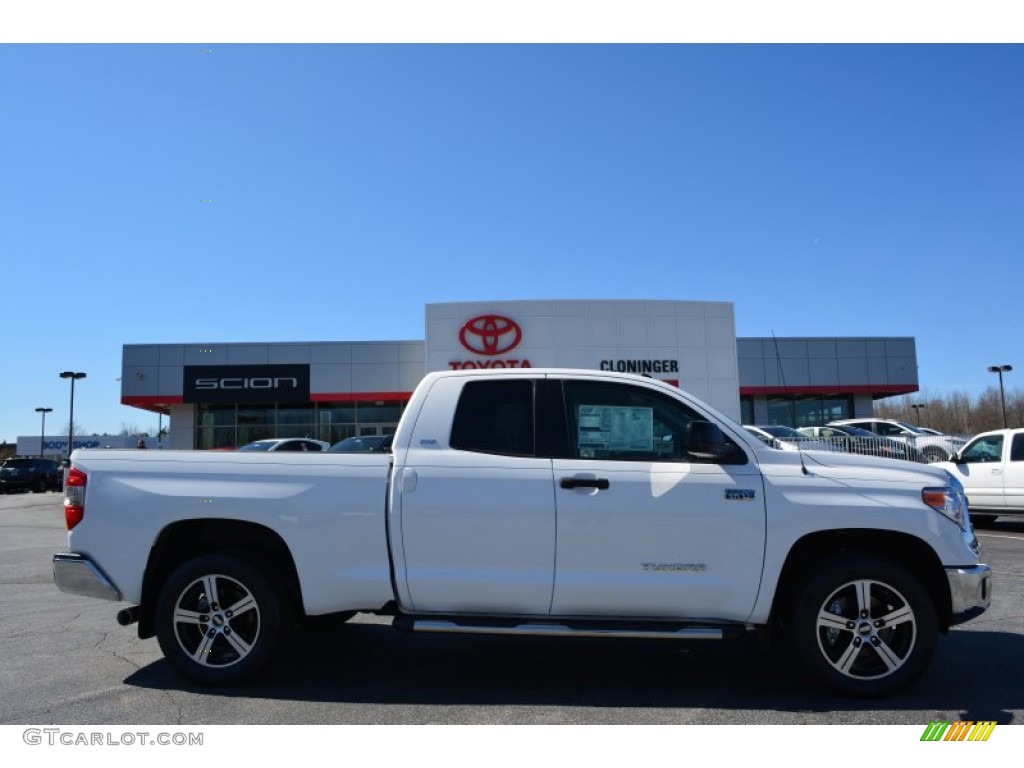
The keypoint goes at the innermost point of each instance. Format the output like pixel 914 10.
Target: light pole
pixel 42 428
pixel 917 413
pixel 1001 369
pixel 71 419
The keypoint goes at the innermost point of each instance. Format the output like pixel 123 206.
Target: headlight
pixel 950 501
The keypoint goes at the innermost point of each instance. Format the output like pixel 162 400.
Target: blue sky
pixel 825 190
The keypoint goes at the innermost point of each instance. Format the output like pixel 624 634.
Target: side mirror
pixel 955 458
pixel 707 442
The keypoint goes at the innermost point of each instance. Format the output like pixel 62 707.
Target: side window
pixel 628 423
pixel 495 417
pixel 1017 448
pixel 890 430
pixel 984 449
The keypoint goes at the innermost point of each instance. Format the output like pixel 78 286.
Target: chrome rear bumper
pixel 78 575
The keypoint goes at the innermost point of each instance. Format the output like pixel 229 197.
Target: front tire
pixel 864 626
pixel 218 620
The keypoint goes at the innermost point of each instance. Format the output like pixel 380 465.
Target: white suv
pixel 934 447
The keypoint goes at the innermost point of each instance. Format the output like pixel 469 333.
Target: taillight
pixel 74 497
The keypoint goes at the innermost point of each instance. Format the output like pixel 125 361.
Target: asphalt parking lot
pixel 66 661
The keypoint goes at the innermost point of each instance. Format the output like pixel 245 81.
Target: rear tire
pixel 218 619
pixel 864 626
pixel 933 453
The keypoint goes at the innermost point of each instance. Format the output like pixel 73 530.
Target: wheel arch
pixel 907 550
pixel 184 540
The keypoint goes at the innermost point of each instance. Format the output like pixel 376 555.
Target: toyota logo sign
pixel 490 335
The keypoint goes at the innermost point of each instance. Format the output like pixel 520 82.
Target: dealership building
pixel 224 395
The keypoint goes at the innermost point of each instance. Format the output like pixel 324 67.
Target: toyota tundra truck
pixel 533 502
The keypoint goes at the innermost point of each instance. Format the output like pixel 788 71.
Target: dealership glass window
pixel 336 413
pixel 296 414
pixel 746 409
pixel 807 413
pixel 248 433
pixel 836 407
pixel 228 426
pixel 379 412
pixel 780 411
pixel 257 414
pixel 296 430
pixel 216 415
pixel 335 433
pixel 215 437
pixel 811 411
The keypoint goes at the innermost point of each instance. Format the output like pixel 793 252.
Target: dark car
pixel 37 475
pixel 364 444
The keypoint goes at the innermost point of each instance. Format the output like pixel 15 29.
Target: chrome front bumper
pixel 970 590
pixel 78 575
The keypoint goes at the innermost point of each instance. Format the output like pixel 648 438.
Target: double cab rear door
pixel 571 497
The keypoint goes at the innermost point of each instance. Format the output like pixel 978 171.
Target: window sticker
pixel 614 428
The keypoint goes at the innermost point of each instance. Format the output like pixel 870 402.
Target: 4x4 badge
pixel 739 494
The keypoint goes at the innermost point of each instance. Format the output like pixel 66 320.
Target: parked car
pixel 865 443
pixel 934 447
pixel 25 474
pixel 991 468
pixel 786 438
pixel 287 444
pixel 364 444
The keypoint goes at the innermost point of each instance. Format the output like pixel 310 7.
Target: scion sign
pixel 246 384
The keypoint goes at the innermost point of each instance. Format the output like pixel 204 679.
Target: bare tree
pixel 955 413
pixel 78 429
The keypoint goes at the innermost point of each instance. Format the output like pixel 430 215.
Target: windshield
pixel 259 445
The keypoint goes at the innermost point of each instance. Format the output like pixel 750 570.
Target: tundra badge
pixel 739 494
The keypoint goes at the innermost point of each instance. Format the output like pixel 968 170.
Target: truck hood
pixel 854 468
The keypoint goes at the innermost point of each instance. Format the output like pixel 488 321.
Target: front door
pixel 643 528
pixel 1013 475
pixel 980 469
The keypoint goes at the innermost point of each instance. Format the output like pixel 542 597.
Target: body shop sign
pixel 246 384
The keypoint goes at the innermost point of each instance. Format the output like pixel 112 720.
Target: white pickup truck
pixel 531 501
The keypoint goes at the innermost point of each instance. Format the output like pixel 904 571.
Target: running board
pixel 676 632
